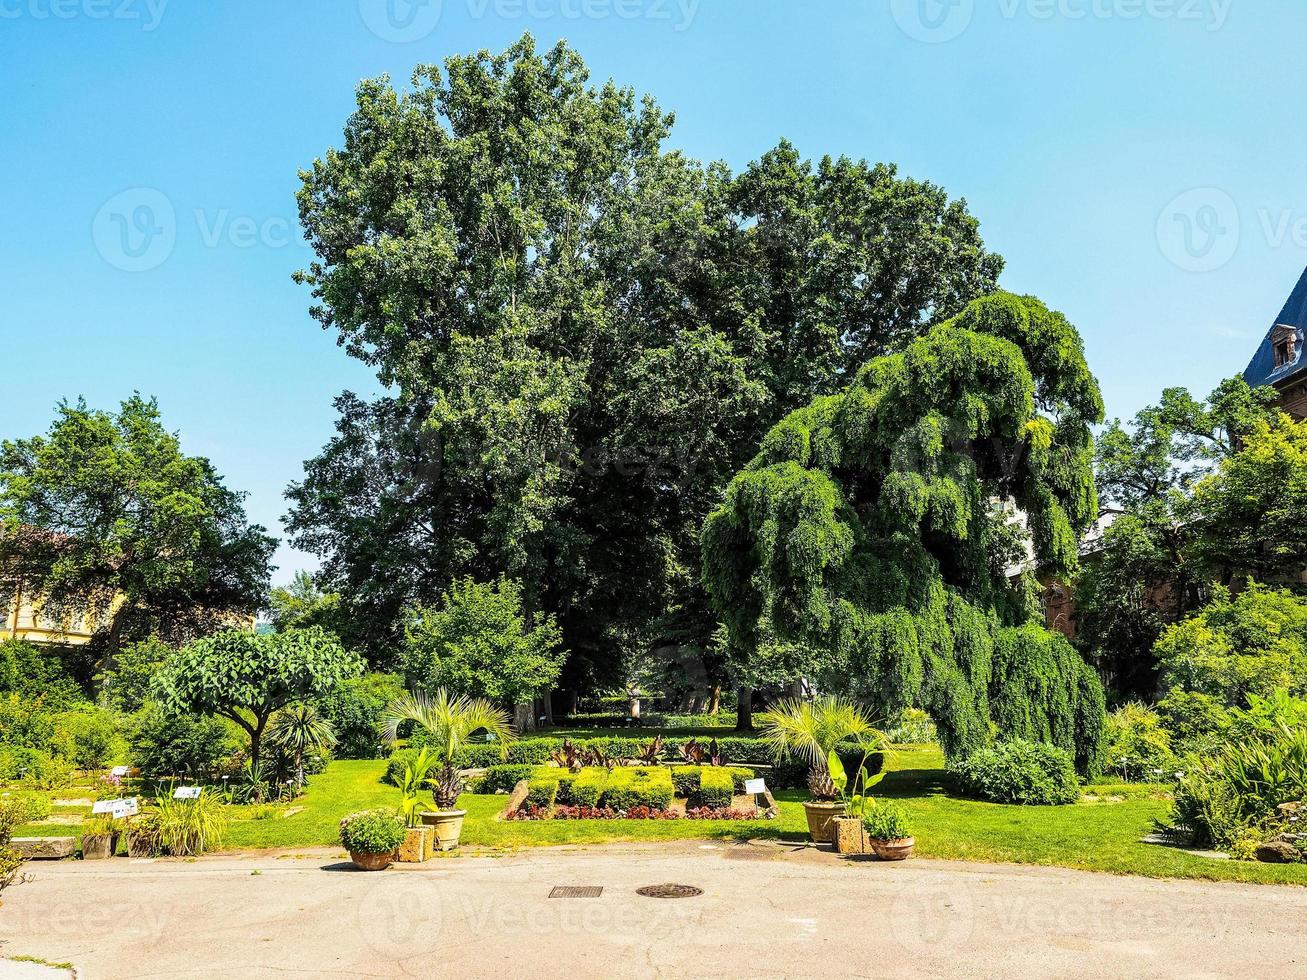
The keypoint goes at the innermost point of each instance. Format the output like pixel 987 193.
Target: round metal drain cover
pixel 669 891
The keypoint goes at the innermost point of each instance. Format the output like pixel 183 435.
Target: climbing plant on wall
pixel 869 542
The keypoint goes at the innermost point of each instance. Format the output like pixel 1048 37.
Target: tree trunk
pixel 547 703
pixel 715 700
pixel 573 701
pixel 744 710
pixel 524 716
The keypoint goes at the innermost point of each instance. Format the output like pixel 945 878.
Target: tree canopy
pixel 106 518
pixel 583 334
pixel 869 543
pixel 247 677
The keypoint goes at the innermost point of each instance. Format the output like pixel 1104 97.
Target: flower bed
pixel 565 812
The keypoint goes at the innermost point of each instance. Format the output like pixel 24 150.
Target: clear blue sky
pixel 1089 136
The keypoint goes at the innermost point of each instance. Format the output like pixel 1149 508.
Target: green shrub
pixel 355 709
pixel 1138 747
pixel 912 727
pixel 716 788
pixel 187 828
pixel 372 832
pixel 685 780
pixel 125 682
pixel 651 787
pixel 164 743
pixel 25 723
pixel 1195 722
pixel 588 787
pixel 886 821
pixel 37 674
pixel 89 739
pixel 565 780
pixel 541 791
pixel 502 779
pixel 1018 771
pixel 33 767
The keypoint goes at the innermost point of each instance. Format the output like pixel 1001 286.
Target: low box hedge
pixel 645 786
pixel 541 792
pixel 716 788
pixel 686 778
pixel 502 779
pixel 588 787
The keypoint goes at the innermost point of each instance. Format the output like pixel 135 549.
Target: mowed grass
pixel 1102 833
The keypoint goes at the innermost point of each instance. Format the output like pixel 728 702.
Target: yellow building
pixel 24 621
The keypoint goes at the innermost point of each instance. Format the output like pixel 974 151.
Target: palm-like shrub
pixel 449 723
pixel 301 729
pixel 811 731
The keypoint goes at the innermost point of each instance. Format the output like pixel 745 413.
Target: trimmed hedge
pixel 686 778
pixel 589 786
pixel 651 787
pixel 541 791
pixel 716 788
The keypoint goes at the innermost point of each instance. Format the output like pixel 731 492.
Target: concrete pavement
pixel 768 910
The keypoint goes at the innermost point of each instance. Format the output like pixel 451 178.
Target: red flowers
pixel 561 812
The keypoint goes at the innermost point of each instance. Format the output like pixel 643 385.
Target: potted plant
pixel 372 837
pixel 812 730
pixel 143 835
pixel 891 836
pixel 849 833
pixel 98 838
pixel 411 809
pixel 449 723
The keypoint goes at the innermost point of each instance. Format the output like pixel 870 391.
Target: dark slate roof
pixel 1261 370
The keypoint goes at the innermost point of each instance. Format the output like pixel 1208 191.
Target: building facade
pixel 1279 362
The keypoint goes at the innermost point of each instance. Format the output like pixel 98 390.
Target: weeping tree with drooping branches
pixel 869 543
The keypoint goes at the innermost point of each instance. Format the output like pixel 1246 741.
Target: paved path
pixel 766 911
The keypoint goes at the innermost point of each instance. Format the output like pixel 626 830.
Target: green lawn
pixel 1102 833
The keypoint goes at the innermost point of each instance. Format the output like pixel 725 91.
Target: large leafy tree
pixel 1158 558
pixel 583 335
pixel 478 644
pixel 106 518
pixel 247 677
pixel 869 542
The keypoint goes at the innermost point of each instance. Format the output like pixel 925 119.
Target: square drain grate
pixel 577 891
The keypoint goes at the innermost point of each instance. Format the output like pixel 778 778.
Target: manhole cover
pixel 669 891
pixel 577 891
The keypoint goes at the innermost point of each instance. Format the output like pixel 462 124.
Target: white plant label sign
pixel 119 771
pixel 103 806
pixel 755 786
pixel 186 793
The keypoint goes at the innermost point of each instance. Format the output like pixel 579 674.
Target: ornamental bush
pixel 588 787
pixel 650 787
pixel 716 788
pixel 886 821
pixel 1138 747
pixel 502 779
pixel 1019 771
pixel 541 792
pixel 372 832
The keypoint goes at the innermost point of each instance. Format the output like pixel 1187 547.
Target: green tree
pixel 248 677
pixel 1237 646
pixel 478 644
pixel 1156 562
pixel 302 604
pixel 125 681
pixel 106 518
pixel 868 543
pixel 584 334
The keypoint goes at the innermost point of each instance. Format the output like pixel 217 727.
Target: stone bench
pixel 44 848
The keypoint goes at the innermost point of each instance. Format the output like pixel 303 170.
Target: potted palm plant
pixel 812 731
pixel 449 723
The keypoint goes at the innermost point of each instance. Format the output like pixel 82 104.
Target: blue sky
pixel 1139 163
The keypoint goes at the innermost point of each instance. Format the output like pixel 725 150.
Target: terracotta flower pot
pixel 372 862
pixel 851 837
pixel 821 820
pixel 97 847
pixel 894 850
pixel 446 828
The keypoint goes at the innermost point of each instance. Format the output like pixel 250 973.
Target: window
pixel 1284 343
